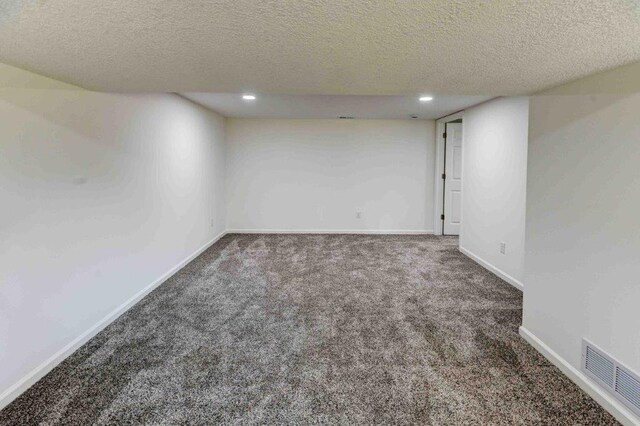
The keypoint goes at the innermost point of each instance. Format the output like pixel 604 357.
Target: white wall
pixel 101 195
pixel 583 217
pixel 315 174
pixel 494 184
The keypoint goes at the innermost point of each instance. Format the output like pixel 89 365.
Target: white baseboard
pixel 331 231
pixel 607 401
pixel 508 278
pixel 40 371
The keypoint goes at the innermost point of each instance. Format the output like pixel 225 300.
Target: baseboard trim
pixel 508 278
pixel 332 231
pixel 608 402
pixel 43 369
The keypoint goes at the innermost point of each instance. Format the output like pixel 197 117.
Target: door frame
pixel 438 190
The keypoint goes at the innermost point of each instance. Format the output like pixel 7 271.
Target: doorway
pixel 448 214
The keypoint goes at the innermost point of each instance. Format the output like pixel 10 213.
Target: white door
pixel 452 179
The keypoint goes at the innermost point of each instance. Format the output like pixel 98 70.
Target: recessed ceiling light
pixel 249 97
pixel 426 98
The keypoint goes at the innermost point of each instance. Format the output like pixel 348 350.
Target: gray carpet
pixel 309 329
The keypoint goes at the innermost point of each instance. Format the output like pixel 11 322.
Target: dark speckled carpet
pixel 314 329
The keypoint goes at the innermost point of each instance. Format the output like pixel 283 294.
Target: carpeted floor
pixel 314 329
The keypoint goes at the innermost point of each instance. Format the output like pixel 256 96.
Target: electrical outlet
pixel 358 215
pixel 503 247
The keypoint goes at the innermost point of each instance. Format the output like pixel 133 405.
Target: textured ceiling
pixel 333 106
pixel 383 47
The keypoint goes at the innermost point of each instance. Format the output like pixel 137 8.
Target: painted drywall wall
pixel 494 168
pixel 314 175
pixel 101 194
pixel 582 229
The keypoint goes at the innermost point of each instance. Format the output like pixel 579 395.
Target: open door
pixel 452 179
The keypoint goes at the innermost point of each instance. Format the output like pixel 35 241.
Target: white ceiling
pixel 332 106
pixel 356 47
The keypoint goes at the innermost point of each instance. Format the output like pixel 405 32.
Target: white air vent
pixel 623 383
pixel 628 387
pixel 599 366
